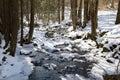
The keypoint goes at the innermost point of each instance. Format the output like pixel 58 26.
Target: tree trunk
pixel 118 14
pixel 31 22
pixel 112 3
pixel 74 13
pixel 1 16
pixel 63 8
pixel 80 13
pixel 6 21
pixel 96 12
pixel 14 25
pixel 27 10
pixel 58 11
pixel 86 13
pixel 71 4
pixel 21 42
pixel 93 8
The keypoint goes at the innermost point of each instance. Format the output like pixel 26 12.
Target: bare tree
pixel 14 24
pixel 1 16
pixel 6 21
pixel 58 3
pixel 86 12
pixel 74 13
pixel 118 14
pixel 112 3
pixel 63 8
pixel 31 21
pixel 80 13
pixel 93 13
pixel 21 42
pixel 27 10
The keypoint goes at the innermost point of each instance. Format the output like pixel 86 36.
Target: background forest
pixel 65 38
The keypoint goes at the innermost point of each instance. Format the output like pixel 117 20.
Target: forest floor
pixel 58 53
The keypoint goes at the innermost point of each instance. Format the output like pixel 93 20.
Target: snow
pixel 114 33
pixel 20 66
pixel 74 77
pixel 14 68
pixel 106 23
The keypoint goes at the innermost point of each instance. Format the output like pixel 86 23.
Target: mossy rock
pixel 114 46
pixel 101 45
pixel 115 55
pixel 69 24
pixel 49 34
pixel 111 77
pixel 103 33
pixel 105 49
pixel 106 42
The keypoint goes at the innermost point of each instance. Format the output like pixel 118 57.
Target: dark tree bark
pixel 86 12
pixel 14 25
pixel 118 14
pixel 63 9
pixel 96 12
pixel 71 4
pixel 1 16
pixel 112 3
pixel 27 10
pixel 10 24
pixel 74 13
pixel 93 13
pixel 6 21
pixel 21 42
pixel 58 11
pixel 31 21
pixel 80 13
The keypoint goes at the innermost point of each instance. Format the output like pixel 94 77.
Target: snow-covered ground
pixel 14 68
pixel 63 45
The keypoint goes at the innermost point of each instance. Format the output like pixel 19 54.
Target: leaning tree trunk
pixel 31 22
pixel 118 14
